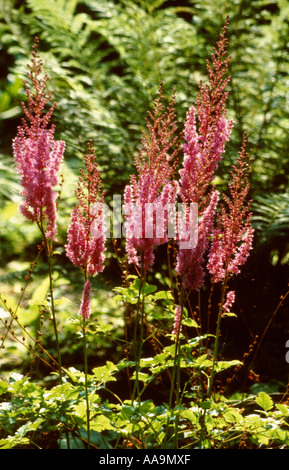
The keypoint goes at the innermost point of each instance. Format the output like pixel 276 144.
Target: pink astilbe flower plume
pixel 85 308
pixel 233 236
pixel 86 234
pixel 206 132
pixel 151 187
pixel 230 299
pixel 37 155
pixel 206 128
pixel 178 311
pixel 190 261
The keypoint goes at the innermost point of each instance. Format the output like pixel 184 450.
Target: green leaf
pixel 283 408
pixel 229 314
pixel 163 295
pixel 223 365
pixel 101 423
pixel 202 362
pixel 3 387
pixel 265 401
pixel 105 373
pixel 190 323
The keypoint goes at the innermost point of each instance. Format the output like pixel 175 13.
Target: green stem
pixel 54 317
pixel 176 373
pixel 86 383
pixel 216 345
pixel 49 252
pixel 138 341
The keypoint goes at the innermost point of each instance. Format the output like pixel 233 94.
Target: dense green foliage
pixel 106 60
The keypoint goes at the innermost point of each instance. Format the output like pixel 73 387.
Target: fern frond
pixel 271 216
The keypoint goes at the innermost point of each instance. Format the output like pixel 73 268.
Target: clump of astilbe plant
pixel 224 234
pixel 86 241
pixel 206 132
pixel 38 158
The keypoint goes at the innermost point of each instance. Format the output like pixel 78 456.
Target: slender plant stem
pixel 86 382
pixel 49 253
pixel 138 339
pixel 51 290
pixel 216 345
pixel 176 375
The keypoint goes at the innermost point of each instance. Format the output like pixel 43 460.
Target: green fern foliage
pixel 107 58
pixel 271 218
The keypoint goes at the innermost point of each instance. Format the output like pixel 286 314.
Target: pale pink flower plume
pixel 233 236
pixel 230 299
pixel 37 156
pixel 177 320
pixel 206 129
pixel 87 231
pixel 190 261
pixel 206 132
pixel 151 186
pixel 85 309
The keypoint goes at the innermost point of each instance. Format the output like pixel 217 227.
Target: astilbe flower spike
pixel 85 309
pixel 151 187
pixel 233 236
pixel 206 132
pixel 86 234
pixel 178 311
pixel 206 128
pixel 230 299
pixel 37 155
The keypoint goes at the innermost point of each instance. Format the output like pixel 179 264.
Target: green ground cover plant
pixel 161 379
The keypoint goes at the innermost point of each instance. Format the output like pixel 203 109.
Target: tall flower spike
pixel 206 132
pixel 207 128
pixel 177 320
pixel 233 237
pixel 86 234
pixel 151 188
pixel 37 156
pixel 85 308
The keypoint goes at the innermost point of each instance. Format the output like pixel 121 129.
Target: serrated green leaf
pixel 105 373
pixel 101 423
pixel 283 408
pixel 265 401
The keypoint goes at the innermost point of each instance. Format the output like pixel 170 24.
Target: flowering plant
pixel 38 157
pixel 223 244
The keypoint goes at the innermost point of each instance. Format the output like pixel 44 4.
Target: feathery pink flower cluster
pixel 233 236
pixel 206 129
pixel 37 156
pixel 230 299
pixel 190 261
pixel 85 309
pixel 177 320
pixel 152 186
pixel 86 233
pixel 203 151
